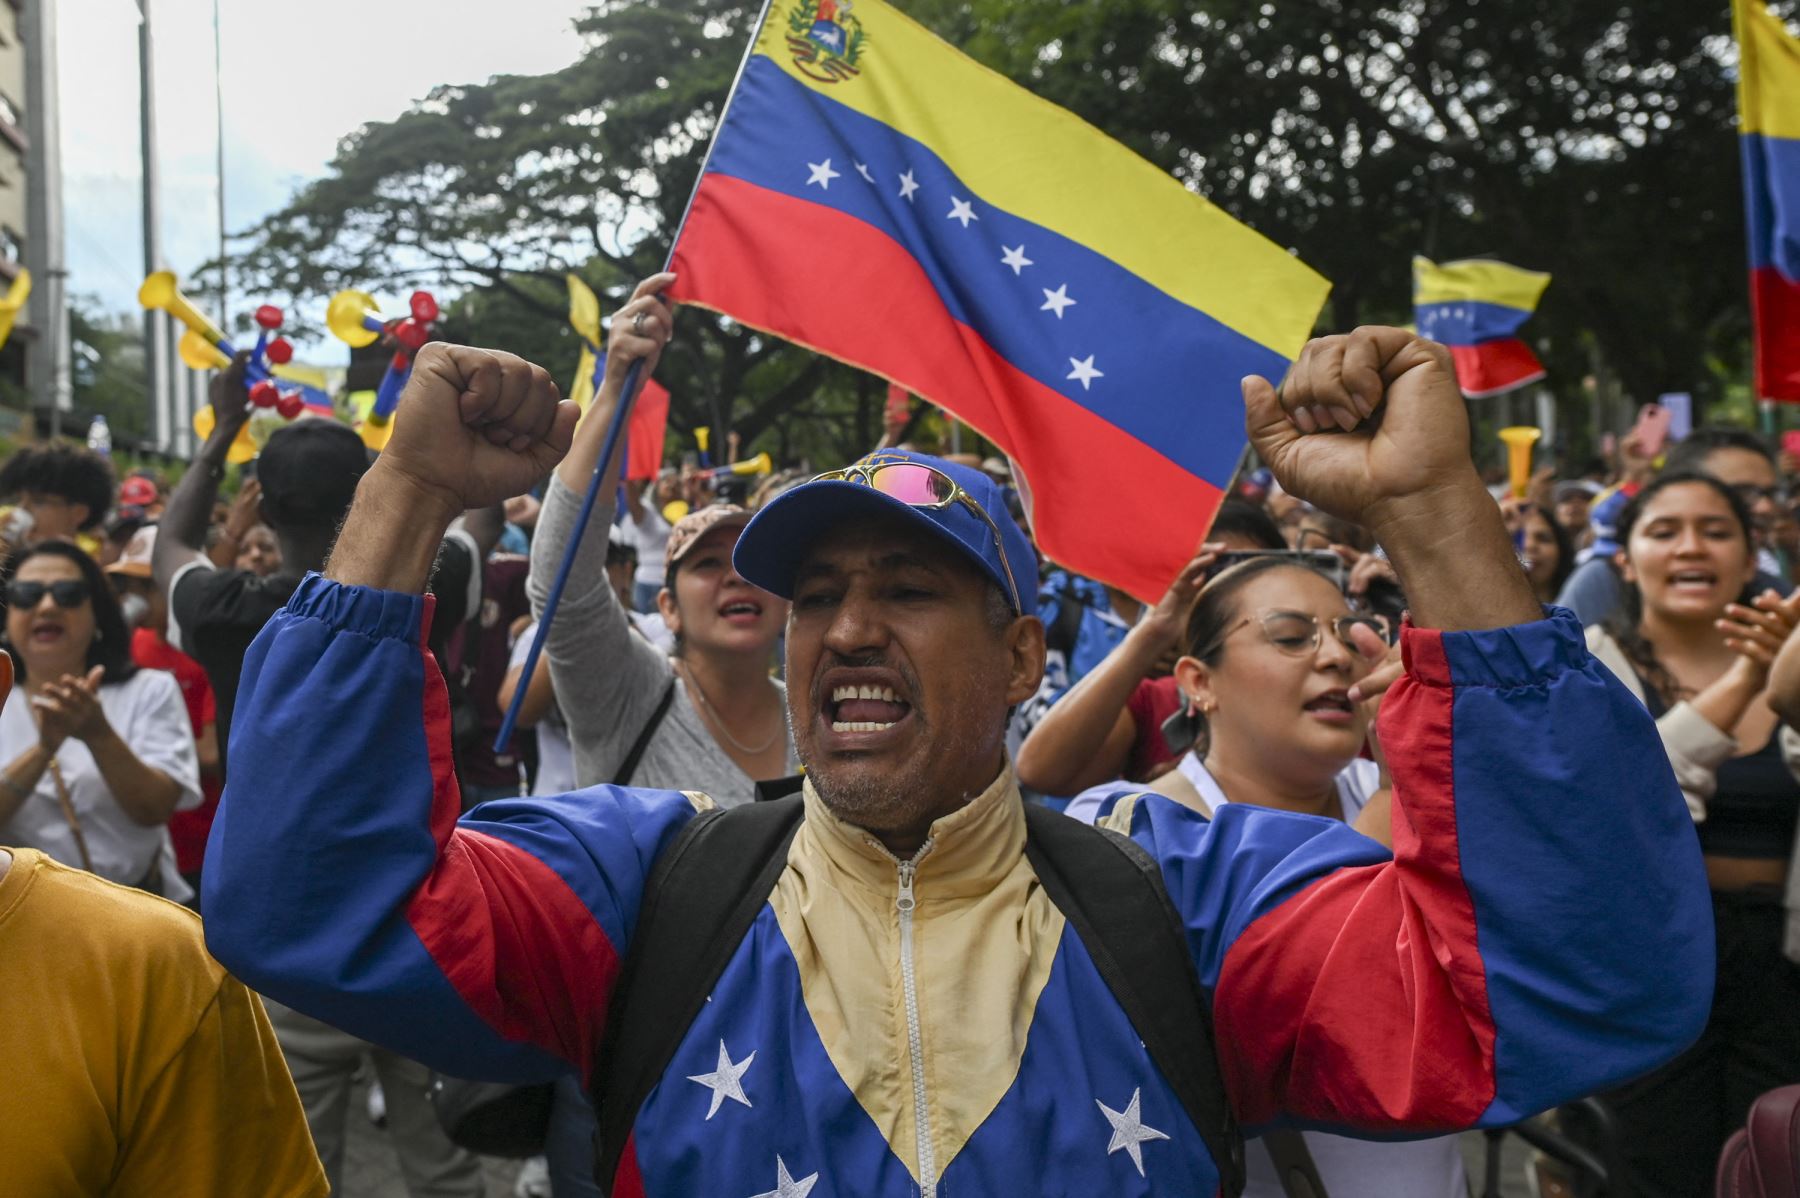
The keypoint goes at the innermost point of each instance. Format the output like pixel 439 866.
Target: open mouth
pixel 45 633
pixel 1333 705
pixel 741 611
pixel 865 708
pixel 1693 580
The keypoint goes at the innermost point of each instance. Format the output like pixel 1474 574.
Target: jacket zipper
pixel 905 904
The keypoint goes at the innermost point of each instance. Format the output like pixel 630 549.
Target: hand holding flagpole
pixel 639 332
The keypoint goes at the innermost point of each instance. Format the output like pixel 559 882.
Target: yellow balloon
pixel 675 510
pixel 242 449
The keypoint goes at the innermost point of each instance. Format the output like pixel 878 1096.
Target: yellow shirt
pixel 135 1065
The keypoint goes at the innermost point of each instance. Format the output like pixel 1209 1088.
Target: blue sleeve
pixel 1541 931
pixel 339 880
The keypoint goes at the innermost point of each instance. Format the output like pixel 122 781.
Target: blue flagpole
pixel 627 397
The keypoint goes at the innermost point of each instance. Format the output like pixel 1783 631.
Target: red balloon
pixel 290 405
pixel 280 351
pixel 269 317
pixel 424 308
pixel 264 394
pixel 412 334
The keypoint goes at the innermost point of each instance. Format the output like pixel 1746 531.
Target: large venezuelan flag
pixel 881 198
pixel 1769 128
pixel 1476 307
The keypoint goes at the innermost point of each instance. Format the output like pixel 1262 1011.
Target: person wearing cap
pixel 909 1013
pixel 147 615
pixel 709 716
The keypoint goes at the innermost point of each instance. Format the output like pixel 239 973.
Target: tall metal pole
pixel 156 322
pixel 47 355
pixel 219 110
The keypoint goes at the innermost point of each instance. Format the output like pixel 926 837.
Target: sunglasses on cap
pixel 70 592
pixel 926 488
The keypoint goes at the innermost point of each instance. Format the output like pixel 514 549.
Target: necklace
pixel 718 721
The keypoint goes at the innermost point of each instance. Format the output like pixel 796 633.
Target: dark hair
pixel 68 471
pixel 1241 518
pixel 1565 548
pixel 1624 625
pixel 111 646
pixel 1216 608
pixel 1687 454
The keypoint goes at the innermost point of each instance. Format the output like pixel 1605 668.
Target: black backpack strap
pixel 629 766
pixel 704 892
pixel 1121 910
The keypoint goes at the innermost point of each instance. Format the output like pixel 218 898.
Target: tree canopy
pixel 1589 138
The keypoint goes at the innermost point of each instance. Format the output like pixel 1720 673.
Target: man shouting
pixel 908 1011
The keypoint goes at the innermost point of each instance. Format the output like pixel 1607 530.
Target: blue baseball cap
pixel 777 540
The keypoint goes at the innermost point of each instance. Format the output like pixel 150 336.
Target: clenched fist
pixel 476 426
pixel 1364 423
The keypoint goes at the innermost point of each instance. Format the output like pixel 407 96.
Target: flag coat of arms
pixel 1475 307
pixel 1769 129
pixel 879 197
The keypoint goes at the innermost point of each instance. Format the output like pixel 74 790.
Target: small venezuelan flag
pixel 879 197
pixel 1476 307
pixel 1769 128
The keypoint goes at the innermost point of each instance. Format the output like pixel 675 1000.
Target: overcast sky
pixel 297 77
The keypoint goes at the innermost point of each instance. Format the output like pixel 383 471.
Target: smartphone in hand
pixel 1652 429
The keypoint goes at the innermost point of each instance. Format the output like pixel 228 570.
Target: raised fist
pixel 475 427
pixel 1363 424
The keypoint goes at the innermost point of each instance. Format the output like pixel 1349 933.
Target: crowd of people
pixel 1493 907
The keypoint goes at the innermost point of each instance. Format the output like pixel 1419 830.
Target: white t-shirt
pixel 1350 1168
pixel 148 714
pixel 556 760
pixel 650 537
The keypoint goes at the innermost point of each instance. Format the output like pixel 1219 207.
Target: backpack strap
pixel 704 892
pixel 629 766
pixel 1121 910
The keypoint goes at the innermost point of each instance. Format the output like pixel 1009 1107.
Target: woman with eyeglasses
pixel 1273 659
pixel 95 754
pixel 1695 641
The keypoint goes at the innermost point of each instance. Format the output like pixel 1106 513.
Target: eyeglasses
pixel 70 592
pixel 1297 634
pixel 921 486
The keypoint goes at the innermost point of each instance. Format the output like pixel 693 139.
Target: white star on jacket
pixel 787 1187
pixel 1130 1132
pixel 1084 372
pixel 822 174
pixel 961 210
pixel 725 1082
pixel 1056 301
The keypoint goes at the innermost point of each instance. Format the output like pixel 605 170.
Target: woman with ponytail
pixel 1695 643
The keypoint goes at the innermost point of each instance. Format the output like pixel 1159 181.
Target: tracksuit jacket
pixel 1541 931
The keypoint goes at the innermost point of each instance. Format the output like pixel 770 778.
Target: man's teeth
pixel 884 693
pixel 857 726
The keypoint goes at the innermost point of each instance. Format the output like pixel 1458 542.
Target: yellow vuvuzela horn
pixel 353 318
pixel 1519 440
pixel 200 344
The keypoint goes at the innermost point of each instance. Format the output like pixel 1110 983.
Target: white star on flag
pixel 862 168
pixel 961 210
pixel 1084 372
pixel 787 1187
pixel 822 174
pixel 1129 1131
pixel 726 1082
pixel 908 185
pixel 1016 259
pixel 1056 301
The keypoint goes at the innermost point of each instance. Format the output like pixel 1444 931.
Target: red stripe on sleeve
pixel 1298 1032
pixel 505 929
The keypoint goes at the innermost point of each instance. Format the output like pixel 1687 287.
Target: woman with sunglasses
pixel 95 754
pixel 1695 640
pixel 1273 658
